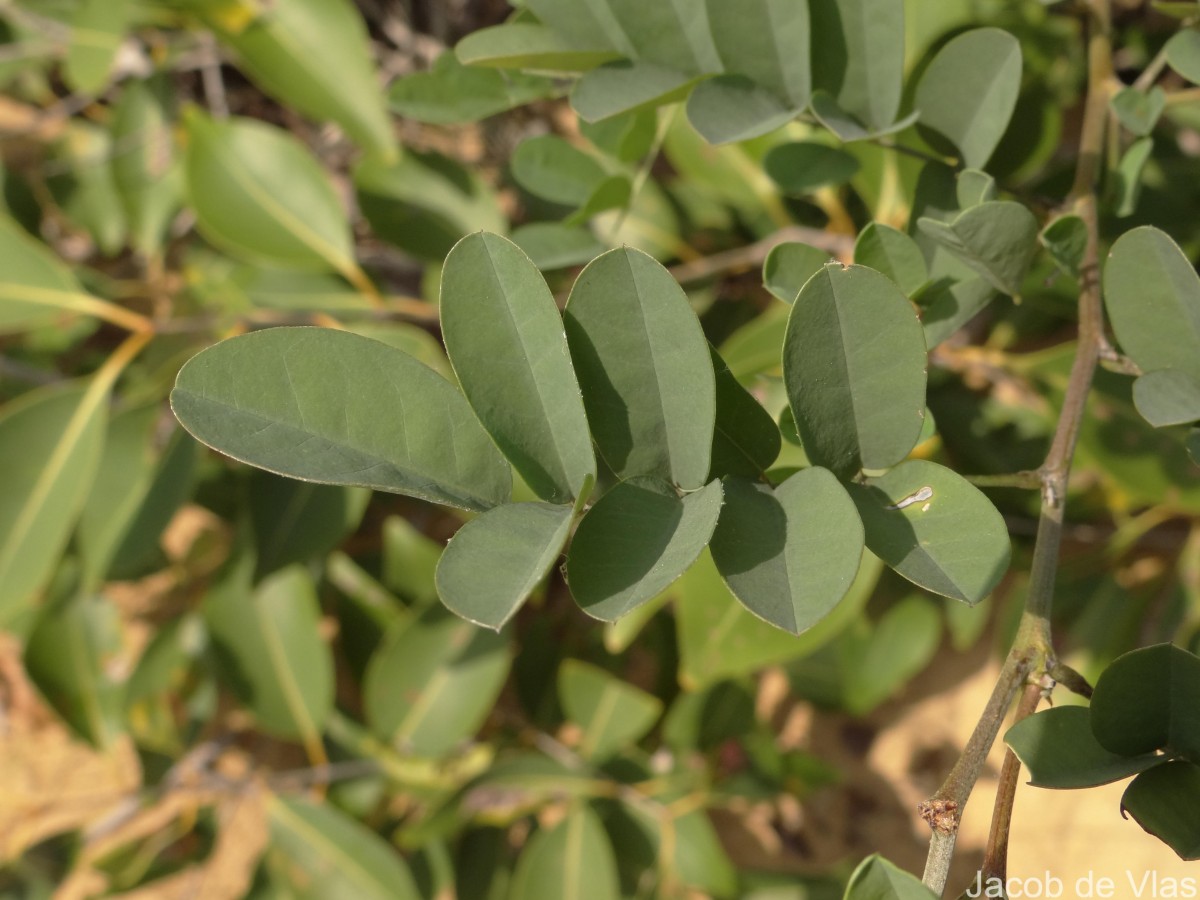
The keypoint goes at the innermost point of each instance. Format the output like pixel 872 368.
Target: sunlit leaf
pixel 1183 52
pixel 968 92
pixel 97 27
pixel 549 167
pixel 891 652
pixel 1059 750
pixel 314 56
pixel 935 528
pixel 495 561
pixel 35 286
pixel 623 86
pixel 1138 110
pixel 306 403
pixel 272 651
pixel 789 265
pixel 1167 397
pixel 572 859
pixel 895 254
pixel 528 46
pixel 498 316
pixel 636 540
pixel 858 57
pixel 789 554
pixel 1152 295
pixel 644 366
pixel 326 853
pixel 147 171
pixel 733 108
pixel 259 194
pixel 451 93
pixel 859 399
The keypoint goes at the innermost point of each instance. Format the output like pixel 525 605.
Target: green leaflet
pixel 1147 700
pixel 432 681
pixel 997 239
pixel 611 713
pixel 1060 751
pixel 306 403
pixel 272 651
pixel 314 55
pixel 858 62
pixel 969 91
pixel 495 561
pixel 258 193
pixel 854 366
pixel 425 202
pixel 326 853
pixel 935 528
pixel 643 363
pixel 498 316
pixel 51 441
pixel 636 540
pixel 572 859
pixel 767 41
pixel 79 684
pixel 1152 295
pixel 789 554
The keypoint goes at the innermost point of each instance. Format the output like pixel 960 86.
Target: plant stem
pixel 1027 479
pixel 752 255
pixel 995 857
pixel 1032 652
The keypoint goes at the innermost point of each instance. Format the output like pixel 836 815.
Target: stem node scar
pixel 940 815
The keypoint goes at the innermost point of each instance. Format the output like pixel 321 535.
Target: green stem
pixel 1032 652
pixel 1028 480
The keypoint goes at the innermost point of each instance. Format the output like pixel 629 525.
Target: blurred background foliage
pixel 216 679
